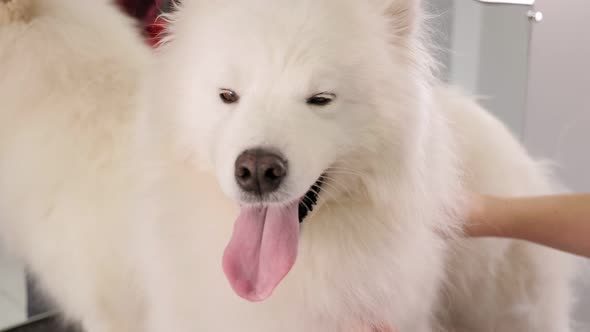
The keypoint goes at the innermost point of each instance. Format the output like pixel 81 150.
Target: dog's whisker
pixel 338 186
pixel 344 169
pixel 303 201
pixel 331 185
pixel 332 171
pixel 327 192
pixel 332 196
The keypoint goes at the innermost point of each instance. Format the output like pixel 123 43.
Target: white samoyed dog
pixel 291 166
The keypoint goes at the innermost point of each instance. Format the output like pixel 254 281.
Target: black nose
pixel 260 171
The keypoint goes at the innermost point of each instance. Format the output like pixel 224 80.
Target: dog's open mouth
pixel 264 245
pixel 309 201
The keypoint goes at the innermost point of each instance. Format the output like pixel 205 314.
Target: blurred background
pixel 527 60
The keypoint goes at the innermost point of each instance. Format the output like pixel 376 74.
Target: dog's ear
pixel 404 15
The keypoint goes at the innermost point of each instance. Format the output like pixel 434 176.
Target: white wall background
pixel 557 119
pixel 557 122
pixel 533 76
pixel 536 77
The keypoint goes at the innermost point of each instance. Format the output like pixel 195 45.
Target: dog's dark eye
pixel 321 99
pixel 228 96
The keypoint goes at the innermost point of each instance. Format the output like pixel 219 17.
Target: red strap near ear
pixel 154 31
pixel 147 12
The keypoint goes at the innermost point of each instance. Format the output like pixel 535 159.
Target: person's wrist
pixel 480 216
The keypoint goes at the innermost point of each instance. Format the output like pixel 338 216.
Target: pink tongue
pixel 262 250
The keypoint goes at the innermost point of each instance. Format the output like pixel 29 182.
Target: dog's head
pixel 276 96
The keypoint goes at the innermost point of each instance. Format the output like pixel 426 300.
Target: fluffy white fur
pixel 86 170
pixel 69 82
